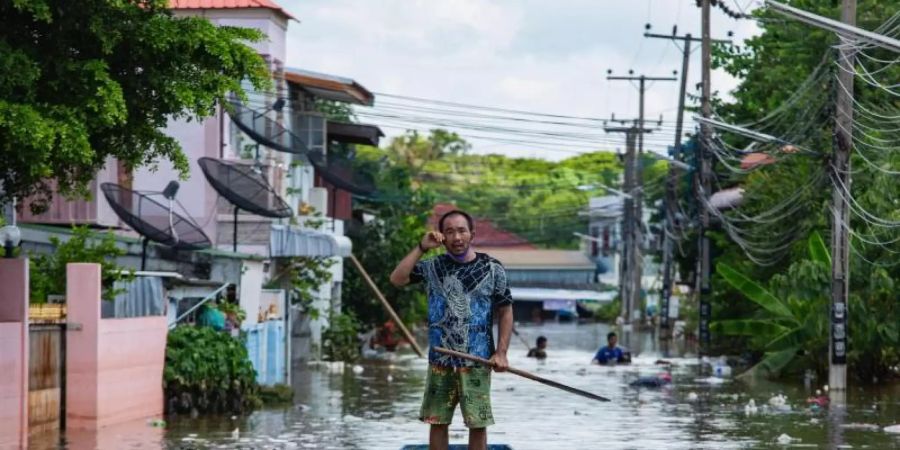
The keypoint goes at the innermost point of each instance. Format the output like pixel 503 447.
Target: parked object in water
pixel 654 381
pixel 892 429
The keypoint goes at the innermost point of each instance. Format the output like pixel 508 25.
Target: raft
pixel 457 447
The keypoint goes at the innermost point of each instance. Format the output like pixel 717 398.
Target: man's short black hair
pixel 456 212
pixel 611 335
pixel 541 339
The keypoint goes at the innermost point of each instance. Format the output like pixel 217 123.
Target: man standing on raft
pixel 464 288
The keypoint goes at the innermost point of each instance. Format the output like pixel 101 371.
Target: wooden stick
pixel 516 332
pixel 523 374
pixel 387 306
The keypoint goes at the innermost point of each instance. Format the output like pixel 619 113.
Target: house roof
pixel 519 258
pixel 329 87
pixel 229 4
pixel 754 160
pixel 486 233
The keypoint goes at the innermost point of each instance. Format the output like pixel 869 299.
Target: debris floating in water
pixel 750 408
pixel 785 439
pixel 692 397
pixel 861 426
pixel 892 429
pixel 236 433
pixel 357 369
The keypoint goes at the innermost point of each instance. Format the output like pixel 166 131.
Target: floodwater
pixel 377 408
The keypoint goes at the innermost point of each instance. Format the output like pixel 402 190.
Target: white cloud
pixel 523 54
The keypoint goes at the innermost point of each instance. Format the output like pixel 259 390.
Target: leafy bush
pixel 208 371
pixel 339 340
pixel 609 311
pixel 48 271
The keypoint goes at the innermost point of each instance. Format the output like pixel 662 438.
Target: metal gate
pixel 46 377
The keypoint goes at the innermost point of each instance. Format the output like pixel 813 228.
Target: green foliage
pixel 84 81
pixel 277 395
pixel 790 325
pixel 232 310
pixel 771 67
pixel 535 198
pixel 339 340
pixel 48 271
pixel 609 312
pixel 208 371
pixel 401 214
pixel 306 275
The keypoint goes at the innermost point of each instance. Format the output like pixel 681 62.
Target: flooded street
pixel 377 408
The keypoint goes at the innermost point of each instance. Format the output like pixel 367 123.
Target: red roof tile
pixel 228 4
pixel 486 233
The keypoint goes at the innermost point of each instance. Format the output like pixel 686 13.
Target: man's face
pixel 613 340
pixel 457 235
pixel 542 345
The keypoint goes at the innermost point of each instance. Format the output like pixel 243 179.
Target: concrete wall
pixel 124 356
pixel 14 353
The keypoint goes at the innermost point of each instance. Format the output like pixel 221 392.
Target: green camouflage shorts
pixel 447 386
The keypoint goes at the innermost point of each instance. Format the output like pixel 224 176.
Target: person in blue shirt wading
pixel 610 353
pixel 464 290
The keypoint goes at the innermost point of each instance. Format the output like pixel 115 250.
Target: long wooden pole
pixel 523 374
pixel 516 332
pixel 387 306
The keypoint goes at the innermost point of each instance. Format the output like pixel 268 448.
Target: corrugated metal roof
pixel 330 87
pixel 539 258
pixel 229 4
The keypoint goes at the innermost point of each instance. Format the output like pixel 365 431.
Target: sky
pixel 541 56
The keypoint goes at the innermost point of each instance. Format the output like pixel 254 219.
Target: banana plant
pixel 792 321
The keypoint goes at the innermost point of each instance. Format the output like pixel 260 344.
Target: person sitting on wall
pixel 611 353
pixel 539 352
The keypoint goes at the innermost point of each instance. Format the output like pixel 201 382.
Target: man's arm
pixel 400 275
pixel 505 326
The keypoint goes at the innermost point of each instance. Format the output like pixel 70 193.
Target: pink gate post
pixel 13 353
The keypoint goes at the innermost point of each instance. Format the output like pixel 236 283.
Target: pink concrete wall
pixel 13 353
pixel 113 366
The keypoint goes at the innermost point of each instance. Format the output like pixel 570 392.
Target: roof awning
pixel 541 294
pixel 354 133
pixel 286 241
pixel 329 87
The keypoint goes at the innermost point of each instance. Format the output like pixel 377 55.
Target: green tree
pixel 87 80
pixel 48 270
pixel 778 96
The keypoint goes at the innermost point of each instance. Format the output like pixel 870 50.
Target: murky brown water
pixel 377 409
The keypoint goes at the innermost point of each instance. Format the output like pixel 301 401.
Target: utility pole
pixel 703 266
pixel 840 233
pixel 627 221
pixel 636 268
pixel 671 198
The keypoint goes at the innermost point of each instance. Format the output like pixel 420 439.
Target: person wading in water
pixel 464 290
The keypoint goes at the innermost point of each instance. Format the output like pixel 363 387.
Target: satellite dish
pixel 244 186
pixel 340 173
pixel 153 220
pixel 264 130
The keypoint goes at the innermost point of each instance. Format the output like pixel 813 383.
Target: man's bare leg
pixel 478 439
pixel 439 437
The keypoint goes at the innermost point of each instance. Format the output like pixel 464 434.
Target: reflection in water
pixel 377 408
